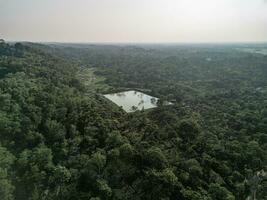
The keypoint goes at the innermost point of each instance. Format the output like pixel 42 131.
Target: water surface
pixel 132 100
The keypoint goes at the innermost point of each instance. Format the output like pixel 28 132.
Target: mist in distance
pixel 138 21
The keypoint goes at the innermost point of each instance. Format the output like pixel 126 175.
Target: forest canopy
pixel 60 139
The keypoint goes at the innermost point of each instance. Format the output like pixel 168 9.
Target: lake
pixel 262 51
pixel 132 100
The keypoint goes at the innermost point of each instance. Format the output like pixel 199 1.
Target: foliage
pixel 60 139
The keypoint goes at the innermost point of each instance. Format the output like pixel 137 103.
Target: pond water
pixel 262 51
pixel 132 100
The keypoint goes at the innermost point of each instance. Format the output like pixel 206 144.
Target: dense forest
pixel 60 139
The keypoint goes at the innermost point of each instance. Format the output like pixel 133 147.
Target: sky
pixel 134 21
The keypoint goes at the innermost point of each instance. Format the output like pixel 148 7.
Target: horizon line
pixel 138 43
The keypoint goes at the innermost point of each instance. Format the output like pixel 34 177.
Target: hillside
pixel 60 139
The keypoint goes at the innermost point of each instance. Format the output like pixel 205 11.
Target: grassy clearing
pixel 92 82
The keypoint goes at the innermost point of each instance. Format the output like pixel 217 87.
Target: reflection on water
pixel 133 100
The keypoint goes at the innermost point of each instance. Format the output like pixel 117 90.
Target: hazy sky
pixel 134 20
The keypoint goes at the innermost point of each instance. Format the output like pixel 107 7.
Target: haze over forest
pixel 133 100
pixel 139 21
